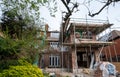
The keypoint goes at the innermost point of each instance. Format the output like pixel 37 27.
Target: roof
pixel 114 35
pixel 104 37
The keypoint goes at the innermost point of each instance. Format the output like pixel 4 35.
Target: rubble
pixel 105 69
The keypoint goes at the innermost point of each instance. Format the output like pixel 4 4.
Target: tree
pixel 106 3
pixel 20 40
pixel 69 10
pixel 13 23
pixel 20 30
pixel 24 8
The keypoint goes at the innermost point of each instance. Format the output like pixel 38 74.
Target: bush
pixel 9 47
pixel 6 63
pixel 22 71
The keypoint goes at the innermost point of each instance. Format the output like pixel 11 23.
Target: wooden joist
pixel 94 28
pixel 92 43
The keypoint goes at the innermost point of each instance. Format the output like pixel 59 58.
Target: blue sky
pixel 112 14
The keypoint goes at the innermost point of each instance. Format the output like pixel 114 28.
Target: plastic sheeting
pixel 107 68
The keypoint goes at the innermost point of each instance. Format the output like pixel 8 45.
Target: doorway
pixel 82 59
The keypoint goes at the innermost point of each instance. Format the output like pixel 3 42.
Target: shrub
pixel 22 71
pixel 9 48
pixel 6 63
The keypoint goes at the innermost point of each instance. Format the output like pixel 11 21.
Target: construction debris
pixel 105 69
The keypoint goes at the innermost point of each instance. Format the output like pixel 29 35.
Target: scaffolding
pixel 83 43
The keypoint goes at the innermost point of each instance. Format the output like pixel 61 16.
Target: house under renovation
pixel 75 47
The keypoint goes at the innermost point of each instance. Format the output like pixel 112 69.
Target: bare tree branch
pixel 66 5
pixel 69 13
pixel 106 4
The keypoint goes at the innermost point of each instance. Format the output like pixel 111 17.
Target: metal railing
pixel 92 21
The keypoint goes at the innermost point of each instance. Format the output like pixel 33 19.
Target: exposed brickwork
pixel 109 51
pixel 67 59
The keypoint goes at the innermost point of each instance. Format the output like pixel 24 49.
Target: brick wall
pixel 109 51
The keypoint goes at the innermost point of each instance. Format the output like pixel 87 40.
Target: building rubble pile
pixel 105 69
pixel 102 69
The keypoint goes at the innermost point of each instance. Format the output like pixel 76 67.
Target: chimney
pixel 46 27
